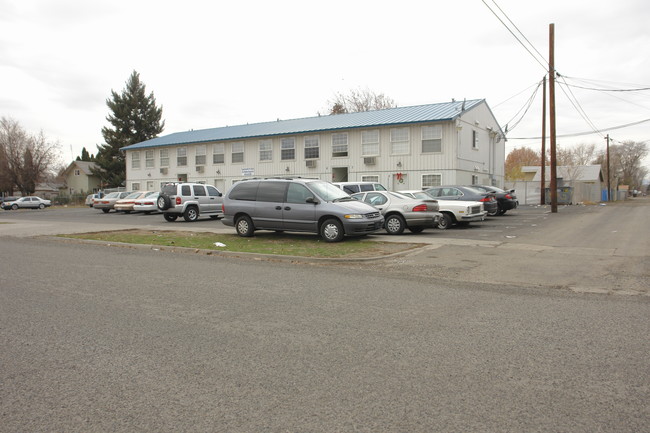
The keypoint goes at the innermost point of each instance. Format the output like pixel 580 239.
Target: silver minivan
pixel 302 205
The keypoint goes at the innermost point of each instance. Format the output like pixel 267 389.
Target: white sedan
pixel 453 212
pixel 27 203
pixel 147 204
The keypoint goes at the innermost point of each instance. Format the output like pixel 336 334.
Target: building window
pixel 237 151
pixel 340 144
pixel 431 180
pixel 399 141
pixel 164 157
pixel 135 159
pixel 474 139
pixel 474 179
pixel 431 139
pixel 150 185
pixel 312 147
pixel 199 158
pixel 266 150
pixel 370 178
pixel 77 172
pixel 218 153
pixel 181 156
pixel 135 186
pixel 149 159
pixel 288 149
pixel 370 142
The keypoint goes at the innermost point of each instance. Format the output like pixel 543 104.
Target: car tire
pixel 494 212
pixel 105 210
pixel 502 212
pixel 191 214
pixel 394 225
pixel 416 229
pixel 444 222
pixel 163 202
pixel 244 226
pixel 170 217
pixel 332 230
pixel 41 206
pixel 14 207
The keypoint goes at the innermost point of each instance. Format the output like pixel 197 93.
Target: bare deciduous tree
pixel 25 159
pixel 360 100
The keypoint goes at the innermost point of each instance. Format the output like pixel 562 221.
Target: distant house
pixel 79 179
pixel 586 182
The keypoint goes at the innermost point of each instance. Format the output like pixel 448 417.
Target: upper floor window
pixel 370 142
pixel 181 156
pixel 288 149
pixel 135 160
pixel 199 157
pixel 164 157
pixel 237 151
pixel 312 147
pixel 266 150
pixel 474 139
pixel 218 153
pixel 431 139
pixel 77 172
pixel 149 159
pixel 340 144
pixel 399 141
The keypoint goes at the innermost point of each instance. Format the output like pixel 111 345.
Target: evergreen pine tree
pixel 134 118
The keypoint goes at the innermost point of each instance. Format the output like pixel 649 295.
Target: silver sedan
pixel 402 212
pixel 27 203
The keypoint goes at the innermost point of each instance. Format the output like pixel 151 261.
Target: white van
pixel 354 187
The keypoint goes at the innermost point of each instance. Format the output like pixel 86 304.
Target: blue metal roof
pixel 365 119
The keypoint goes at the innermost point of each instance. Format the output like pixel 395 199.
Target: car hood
pixel 355 206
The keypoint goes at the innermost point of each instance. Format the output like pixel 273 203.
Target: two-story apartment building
pixel 458 142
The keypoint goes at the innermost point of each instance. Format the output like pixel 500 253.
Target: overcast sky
pixel 219 63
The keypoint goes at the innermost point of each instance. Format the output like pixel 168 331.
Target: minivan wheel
pixel 170 217
pixel 332 231
pixel 244 226
pixel 394 225
pixel 191 214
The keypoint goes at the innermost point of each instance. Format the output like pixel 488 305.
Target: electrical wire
pixel 525 109
pixel 640 88
pixel 574 101
pixel 514 96
pixel 578 134
pixel 545 66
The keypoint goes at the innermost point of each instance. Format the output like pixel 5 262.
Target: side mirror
pixel 311 200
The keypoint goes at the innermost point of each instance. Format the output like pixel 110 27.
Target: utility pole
pixel 543 186
pixel 551 89
pixel 609 188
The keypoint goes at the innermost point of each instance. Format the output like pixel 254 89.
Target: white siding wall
pixel 455 164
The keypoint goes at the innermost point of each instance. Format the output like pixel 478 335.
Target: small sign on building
pixel 247 171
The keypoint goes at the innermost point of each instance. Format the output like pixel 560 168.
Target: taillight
pixel 420 208
pixel 485 199
pixel 223 208
pixel 508 196
pixel 178 200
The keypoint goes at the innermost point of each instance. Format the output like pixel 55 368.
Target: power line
pixel 585 133
pixel 515 36
pixel 578 107
pixel 525 108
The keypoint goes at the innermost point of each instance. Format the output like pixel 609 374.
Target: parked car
pixel 402 212
pixel 26 203
pixel 147 204
pixel 90 199
pixel 506 200
pixel 106 203
pixel 126 204
pixel 302 205
pixel 453 211
pixel 189 200
pixel 354 187
pixel 465 193
pixel 7 198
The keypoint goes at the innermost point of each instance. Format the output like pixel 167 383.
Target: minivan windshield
pixel 327 191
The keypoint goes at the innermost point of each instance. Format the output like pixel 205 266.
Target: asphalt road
pixel 98 338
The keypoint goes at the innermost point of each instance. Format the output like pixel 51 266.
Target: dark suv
pixel 302 205
pixel 189 200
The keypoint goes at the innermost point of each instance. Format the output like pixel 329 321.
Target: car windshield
pixel 474 190
pixel 113 195
pixel 133 195
pixel 327 191
pixel 150 193
pixel 398 196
